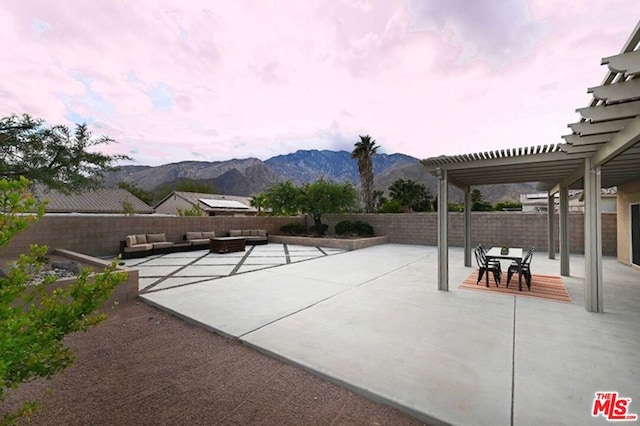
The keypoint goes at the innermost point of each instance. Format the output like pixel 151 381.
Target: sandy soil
pixel 142 367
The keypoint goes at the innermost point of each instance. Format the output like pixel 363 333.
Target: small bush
pixel 359 228
pixel 344 228
pixel 363 229
pixel 293 229
pixel 391 206
pixel 319 229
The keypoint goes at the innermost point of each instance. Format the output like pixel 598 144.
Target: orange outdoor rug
pixel 542 286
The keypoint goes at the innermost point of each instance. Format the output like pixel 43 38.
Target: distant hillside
pixel 308 166
pixel 233 177
pixel 416 172
pixel 249 176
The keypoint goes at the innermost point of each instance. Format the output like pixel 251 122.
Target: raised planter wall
pixel 100 235
pixel 127 291
pixel 338 243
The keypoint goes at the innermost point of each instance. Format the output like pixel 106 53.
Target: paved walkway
pixel 374 321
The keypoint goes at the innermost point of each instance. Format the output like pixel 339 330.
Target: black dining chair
pixel 485 266
pixel 525 269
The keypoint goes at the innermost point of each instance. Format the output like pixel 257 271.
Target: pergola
pixel 602 151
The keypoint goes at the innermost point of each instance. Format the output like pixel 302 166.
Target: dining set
pixel 489 262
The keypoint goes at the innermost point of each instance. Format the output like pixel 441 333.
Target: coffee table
pixel 227 244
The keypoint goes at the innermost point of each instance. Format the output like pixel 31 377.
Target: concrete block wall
pixel 515 229
pixel 100 235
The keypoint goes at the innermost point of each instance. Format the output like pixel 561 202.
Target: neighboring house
pixel 100 201
pixel 538 202
pixel 211 204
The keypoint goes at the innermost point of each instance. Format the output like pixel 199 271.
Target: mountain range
pixel 249 176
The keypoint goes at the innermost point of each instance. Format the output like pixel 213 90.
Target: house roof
pixel 96 201
pixel 214 202
pixel 608 133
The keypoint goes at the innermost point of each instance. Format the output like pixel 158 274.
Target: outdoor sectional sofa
pixel 142 245
pixel 252 236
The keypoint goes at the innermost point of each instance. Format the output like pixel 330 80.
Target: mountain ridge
pixel 249 176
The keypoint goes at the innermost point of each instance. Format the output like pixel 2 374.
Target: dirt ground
pixel 142 366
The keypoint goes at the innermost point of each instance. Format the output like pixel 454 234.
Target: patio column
pixel 564 230
pixel 551 217
pixel 467 226
pixel 443 243
pixel 593 296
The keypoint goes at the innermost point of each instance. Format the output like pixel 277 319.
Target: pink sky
pixel 215 80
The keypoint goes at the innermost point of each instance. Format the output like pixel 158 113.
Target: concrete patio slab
pixel 374 321
pixel 239 304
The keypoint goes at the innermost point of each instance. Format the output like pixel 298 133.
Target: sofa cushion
pixel 262 232
pixel 209 234
pixel 235 233
pixel 162 244
pixel 194 235
pixel 141 238
pixel 200 241
pixel 156 238
pixel 138 247
pixel 130 240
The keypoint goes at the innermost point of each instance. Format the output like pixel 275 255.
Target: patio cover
pixel 602 151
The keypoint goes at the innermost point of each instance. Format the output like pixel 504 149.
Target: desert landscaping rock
pixel 144 367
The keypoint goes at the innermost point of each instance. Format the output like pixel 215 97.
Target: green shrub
pixel 363 229
pixel 391 206
pixel 345 227
pixel 293 229
pixel 319 229
pixel 359 228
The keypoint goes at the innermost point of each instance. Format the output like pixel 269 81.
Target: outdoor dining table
pixel 514 253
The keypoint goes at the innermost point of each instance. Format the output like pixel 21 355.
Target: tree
pixel 195 210
pixel 322 197
pixel 477 205
pixel 411 194
pixel 34 318
pixel 364 151
pixel 282 199
pixel 52 156
pixel 142 194
pixel 258 202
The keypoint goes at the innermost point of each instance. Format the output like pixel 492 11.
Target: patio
pixel 373 320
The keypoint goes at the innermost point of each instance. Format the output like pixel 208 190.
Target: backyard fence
pixel 100 235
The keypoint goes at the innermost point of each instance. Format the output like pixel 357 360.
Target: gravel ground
pixel 143 367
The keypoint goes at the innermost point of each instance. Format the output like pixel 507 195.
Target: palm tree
pixel 363 152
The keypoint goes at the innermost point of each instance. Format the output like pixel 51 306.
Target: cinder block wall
pixel 101 235
pixel 515 229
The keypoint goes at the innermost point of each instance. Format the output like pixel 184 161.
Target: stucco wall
pixel 100 235
pixel 172 204
pixel 627 194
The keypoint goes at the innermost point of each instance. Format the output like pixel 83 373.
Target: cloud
pixel 214 80
pixel 494 30
pixel 160 97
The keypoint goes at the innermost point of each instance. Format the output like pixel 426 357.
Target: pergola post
pixel 564 230
pixel 443 243
pixel 593 295
pixel 551 217
pixel 467 227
